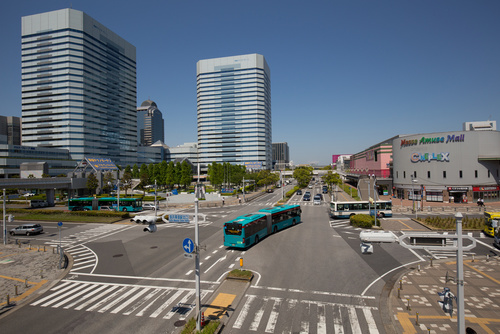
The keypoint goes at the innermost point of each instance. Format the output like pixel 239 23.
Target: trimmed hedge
pixel 363 221
pixel 48 212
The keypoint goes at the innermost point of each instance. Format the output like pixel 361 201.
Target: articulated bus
pixel 91 203
pixel 347 209
pixel 247 230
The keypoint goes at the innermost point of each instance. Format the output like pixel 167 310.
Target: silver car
pixel 27 229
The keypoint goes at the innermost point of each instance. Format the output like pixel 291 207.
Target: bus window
pixel 233 228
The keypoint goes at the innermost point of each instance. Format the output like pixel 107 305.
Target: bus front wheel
pixel 275 229
pixel 124 209
pixel 256 239
pixel 381 215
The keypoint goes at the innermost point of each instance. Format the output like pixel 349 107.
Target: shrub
pixel 363 221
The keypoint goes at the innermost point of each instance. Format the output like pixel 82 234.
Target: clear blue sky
pixel 345 74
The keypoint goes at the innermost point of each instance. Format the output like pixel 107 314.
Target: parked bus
pixel 249 229
pixel 91 203
pixel 491 222
pixel 347 209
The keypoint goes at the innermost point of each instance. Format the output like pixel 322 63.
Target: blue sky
pixel 345 74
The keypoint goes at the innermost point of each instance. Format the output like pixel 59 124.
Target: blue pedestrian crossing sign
pixel 188 245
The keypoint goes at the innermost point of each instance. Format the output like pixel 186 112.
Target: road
pixel 309 278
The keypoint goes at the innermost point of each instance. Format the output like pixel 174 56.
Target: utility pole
pixel 197 264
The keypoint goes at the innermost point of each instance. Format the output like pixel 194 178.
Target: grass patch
pixel 238 273
pixel 105 217
pixel 209 328
pixel 449 223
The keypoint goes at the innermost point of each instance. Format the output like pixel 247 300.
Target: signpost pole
pixel 197 264
pixel 460 278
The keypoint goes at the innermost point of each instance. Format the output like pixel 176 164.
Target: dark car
pixel 307 197
pixel 299 192
pixel 27 229
pixel 270 190
pixel 325 189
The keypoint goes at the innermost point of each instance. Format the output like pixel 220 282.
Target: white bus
pixel 347 209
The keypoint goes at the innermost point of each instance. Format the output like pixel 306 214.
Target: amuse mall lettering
pixel 436 140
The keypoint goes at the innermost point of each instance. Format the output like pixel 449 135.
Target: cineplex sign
pixel 435 140
pixel 418 157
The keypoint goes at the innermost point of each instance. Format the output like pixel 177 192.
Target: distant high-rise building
pixel 150 124
pixel 78 87
pixel 281 154
pixel 234 110
pixel 10 130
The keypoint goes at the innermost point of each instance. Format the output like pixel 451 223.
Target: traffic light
pixel 151 228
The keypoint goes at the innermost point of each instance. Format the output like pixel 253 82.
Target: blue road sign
pixel 59 224
pixel 188 245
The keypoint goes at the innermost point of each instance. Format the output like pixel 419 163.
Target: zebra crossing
pixel 125 299
pixel 83 259
pixel 95 233
pixel 272 314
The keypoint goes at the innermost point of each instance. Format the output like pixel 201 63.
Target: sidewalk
pixel 32 269
pixel 416 293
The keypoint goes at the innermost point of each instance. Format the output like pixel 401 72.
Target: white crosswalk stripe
pixel 263 314
pixel 126 299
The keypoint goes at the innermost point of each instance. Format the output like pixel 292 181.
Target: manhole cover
pixel 179 323
pixel 117 255
pixel 72 237
pixel 152 247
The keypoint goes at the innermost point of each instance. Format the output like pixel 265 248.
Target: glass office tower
pixel 234 110
pixel 150 125
pixel 78 87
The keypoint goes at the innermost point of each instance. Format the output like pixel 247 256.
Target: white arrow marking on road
pixel 221 259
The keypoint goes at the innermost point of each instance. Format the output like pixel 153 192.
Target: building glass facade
pixel 234 110
pixel 281 155
pixel 150 125
pixel 78 87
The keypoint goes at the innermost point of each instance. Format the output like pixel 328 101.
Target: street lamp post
pixel 375 197
pixel 413 180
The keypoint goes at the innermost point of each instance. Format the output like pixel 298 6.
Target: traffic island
pixel 238 274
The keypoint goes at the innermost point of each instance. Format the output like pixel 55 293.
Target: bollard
pixel 25 282
pixel 401 284
pixel 431 262
pixel 416 320
pixel 487 257
pixel 19 243
pixel 41 273
pixel 38 249
pixel 472 257
pixel 399 293
pixel 30 246
pixel 408 305
pixel 418 267
pixel 44 250
pixel 8 300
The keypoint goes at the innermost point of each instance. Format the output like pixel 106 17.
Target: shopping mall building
pixel 455 166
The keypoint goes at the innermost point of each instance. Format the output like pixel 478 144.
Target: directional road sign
pixel 188 245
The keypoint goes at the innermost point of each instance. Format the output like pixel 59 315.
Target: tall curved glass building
pixel 78 87
pixel 234 110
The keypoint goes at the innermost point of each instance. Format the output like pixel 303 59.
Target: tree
pixel 215 174
pixel 332 179
pixel 186 174
pixel 126 181
pixel 302 175
pixel 135 172
pixel 107 182
pixel 92 183
pixel 169 176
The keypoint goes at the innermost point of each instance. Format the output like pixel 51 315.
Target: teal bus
pixel 249 229
pixel 91 203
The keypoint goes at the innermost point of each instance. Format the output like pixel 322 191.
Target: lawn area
pixel 67 217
